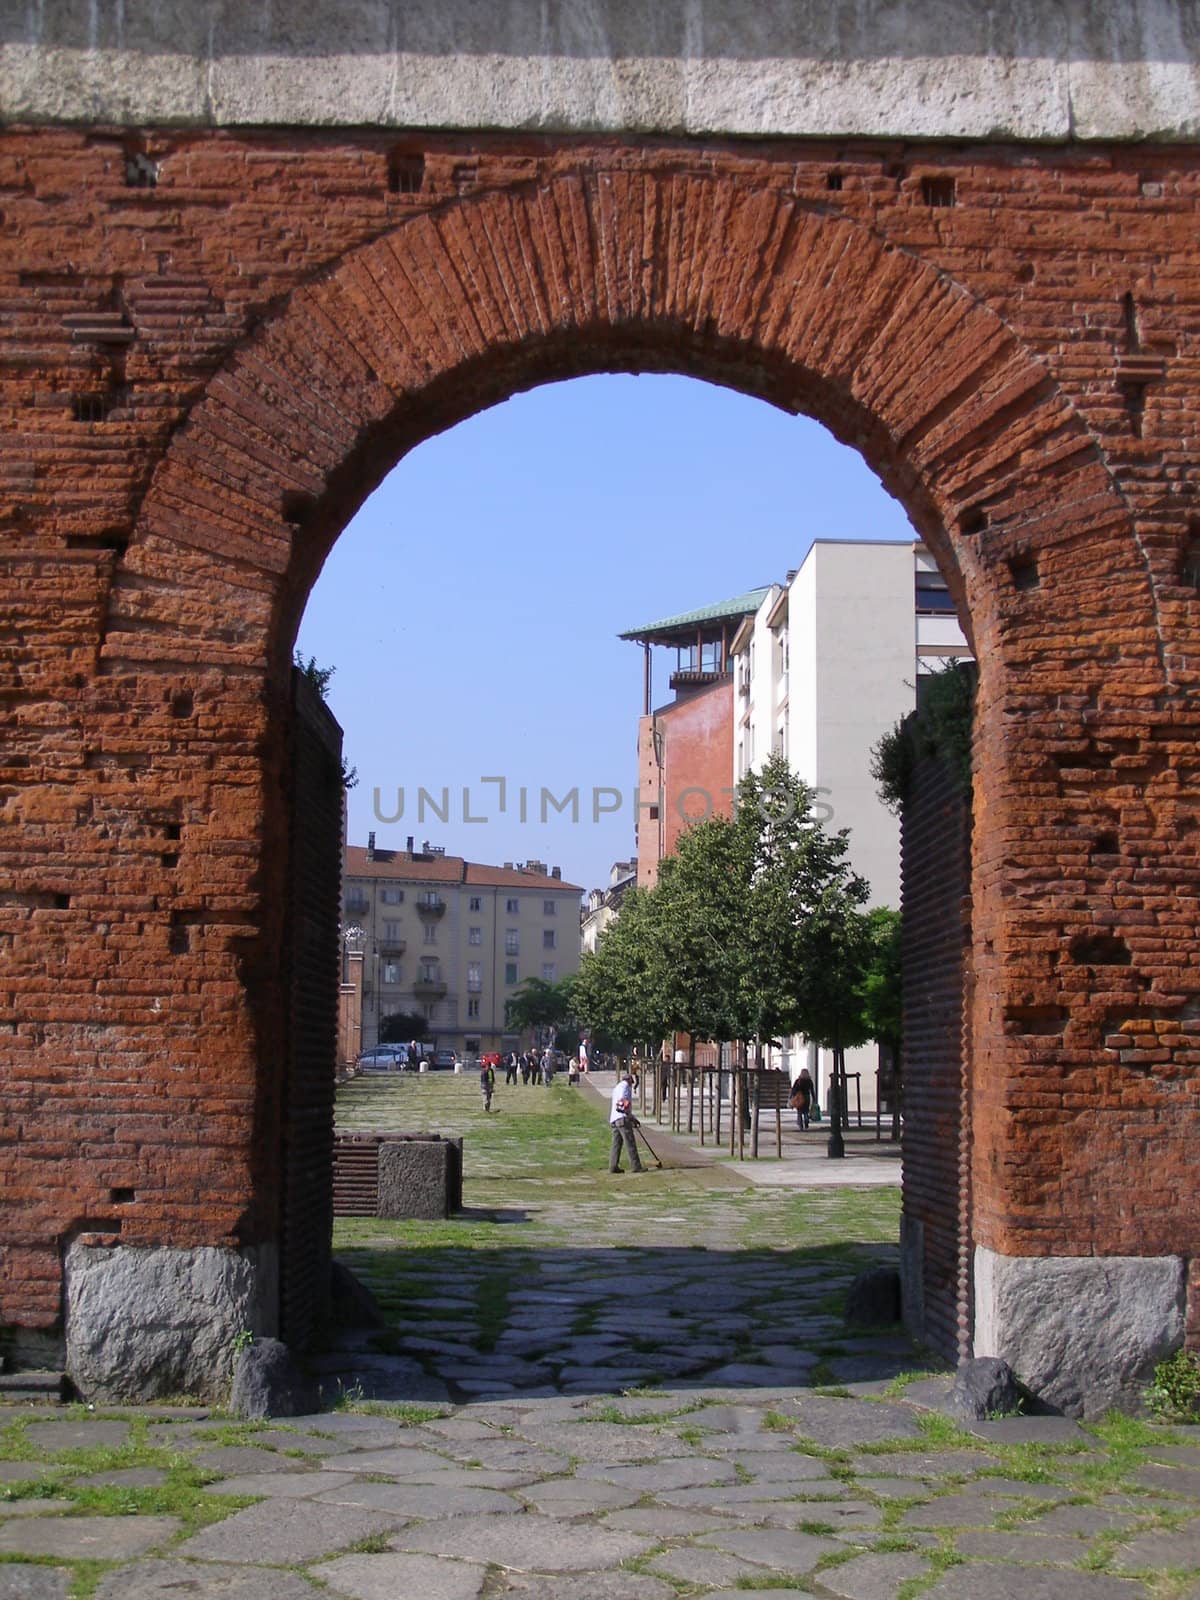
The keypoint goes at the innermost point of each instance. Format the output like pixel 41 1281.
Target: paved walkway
pixel 578 1420
pixel 805 1162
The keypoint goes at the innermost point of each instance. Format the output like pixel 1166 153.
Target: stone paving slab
pixel 1161 1548
pixel 690 1565
pixel 663 1522
pixel 399 1463
pixel 77 1435
pixel 174 1580
pixel 777 1548
pixel 655 1477
pixel 1086 1520
pixel 1031 1430
pixel 421 1499
pixel 531 1543
pixel 1014 1545
pixel 282 1485
pixel 998 1581
pixel 573 1497
pixel 728 1496
pixel 390 1576
pixel 243 1458
pixel 617 1442
pixel 90 1538
pixel 22 1471
pixel 846 1423
pixel 1172 1479
pixel 873 1577
pixel 924 1464
pixel 18 1582
pixel 594 1586
pixel 896 1488
pixel 285 1533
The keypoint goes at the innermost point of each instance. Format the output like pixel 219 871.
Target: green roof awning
pixel 686 624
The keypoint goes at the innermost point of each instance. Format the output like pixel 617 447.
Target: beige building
pixel 453 940
pixel 832 659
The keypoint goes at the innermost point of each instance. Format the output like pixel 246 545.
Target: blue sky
pixel 472 606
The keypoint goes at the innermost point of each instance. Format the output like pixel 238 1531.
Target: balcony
pixel 392 947
pixel 695 678
pixel 431 905
pixel 429 988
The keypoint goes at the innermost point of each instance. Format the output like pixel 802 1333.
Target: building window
pixel 391 931
pixel 510 972
pixel 429 970
pixel 476 903
pixel 549 908
pixel 933 598
pixel 512 907
pixel 472 1008
pixel 474 977
pixel 392 897
pixel 431 933
pixel 548 971
pixel 357 902
pixel 547 938
pixel 390 972
pixel 474 935
pixel 512 942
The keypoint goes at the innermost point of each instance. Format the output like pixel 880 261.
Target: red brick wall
pixel 199 382
pixel 691 775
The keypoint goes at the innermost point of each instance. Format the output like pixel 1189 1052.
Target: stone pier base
pixel 144 1323
pixel 1083 1333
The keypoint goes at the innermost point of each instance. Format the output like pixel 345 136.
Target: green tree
pixel 541 1006
pixel 619 988
pixel 880 995
pixel 319 677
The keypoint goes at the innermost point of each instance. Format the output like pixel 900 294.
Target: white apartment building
pixel 827 665
pixel 453 940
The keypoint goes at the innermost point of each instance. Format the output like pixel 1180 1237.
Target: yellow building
pixel 453 940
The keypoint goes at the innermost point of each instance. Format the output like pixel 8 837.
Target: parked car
pixel 383 1058
pixel 444 1060
pixel 490 1058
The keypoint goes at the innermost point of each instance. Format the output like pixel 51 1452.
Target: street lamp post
pixel 835 1149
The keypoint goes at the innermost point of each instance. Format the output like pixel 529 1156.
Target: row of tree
pixel 754 931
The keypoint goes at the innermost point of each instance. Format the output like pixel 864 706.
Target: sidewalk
pixel 805 1164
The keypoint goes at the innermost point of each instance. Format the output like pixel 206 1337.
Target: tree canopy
pixel 754 930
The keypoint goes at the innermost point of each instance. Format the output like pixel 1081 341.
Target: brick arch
pixel 746 285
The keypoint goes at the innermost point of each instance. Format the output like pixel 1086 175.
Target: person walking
pixel 623 1123
pixel 511 1062
pixel 803 1098
pixel 487 1084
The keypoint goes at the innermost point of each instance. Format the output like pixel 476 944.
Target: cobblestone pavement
pixel 547 1448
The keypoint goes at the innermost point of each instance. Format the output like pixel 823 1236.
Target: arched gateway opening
pixel 1078 1026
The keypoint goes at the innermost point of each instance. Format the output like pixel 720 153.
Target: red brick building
pixel 685 747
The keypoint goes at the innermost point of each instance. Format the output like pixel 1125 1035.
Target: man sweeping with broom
pixel 624 1125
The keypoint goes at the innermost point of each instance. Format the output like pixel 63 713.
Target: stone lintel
pixel 1086 69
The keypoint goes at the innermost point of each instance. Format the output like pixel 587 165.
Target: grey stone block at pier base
pixel 415 1178
pixel 1082 1332
pixel 152 1321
